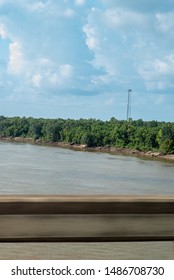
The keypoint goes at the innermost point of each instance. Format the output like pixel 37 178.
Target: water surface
pixel 33 169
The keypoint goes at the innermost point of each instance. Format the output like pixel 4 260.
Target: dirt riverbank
pixel 121 151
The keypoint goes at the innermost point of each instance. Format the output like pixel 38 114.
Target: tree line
pixel 135 134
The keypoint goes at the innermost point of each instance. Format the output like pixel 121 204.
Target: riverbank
pixel 121 151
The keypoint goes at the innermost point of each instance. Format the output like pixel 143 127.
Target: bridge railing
pixel 55 218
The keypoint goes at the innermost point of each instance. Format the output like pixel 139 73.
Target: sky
pixel 78 58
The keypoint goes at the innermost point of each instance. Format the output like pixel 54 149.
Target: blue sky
pixel 78 58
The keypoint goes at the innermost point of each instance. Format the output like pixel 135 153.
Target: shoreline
pixel 120 151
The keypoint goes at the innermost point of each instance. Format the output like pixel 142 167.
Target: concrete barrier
pixel 86 218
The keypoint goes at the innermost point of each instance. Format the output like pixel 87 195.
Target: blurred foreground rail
pixel 86 218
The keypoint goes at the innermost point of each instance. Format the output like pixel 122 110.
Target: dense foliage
pixel 135 134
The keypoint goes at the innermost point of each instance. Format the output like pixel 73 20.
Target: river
pixel 34 169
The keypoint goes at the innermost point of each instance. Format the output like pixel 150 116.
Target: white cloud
pixel 158 73
pixel 66 70
pixel 125 48
pixel 3 32
pixel 54 75
pixel 38 6
pixel 44 61
pixel 49 8
pixel 80 2
pixel 69 13
pixel 164 22
pixel 91 37
pixel 37 79
pixel 16 58
pixel 161 67
pixel 53 78
pixel 144 6
pixel 100 42
pixel 62 76
pixel 131 47
pixel 119 18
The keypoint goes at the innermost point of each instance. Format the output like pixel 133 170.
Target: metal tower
pixel 129 105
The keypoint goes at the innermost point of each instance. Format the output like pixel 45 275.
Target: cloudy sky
pixel 78 58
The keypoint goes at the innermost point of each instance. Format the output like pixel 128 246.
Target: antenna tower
pixel 129 105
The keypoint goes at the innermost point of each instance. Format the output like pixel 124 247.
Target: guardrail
pixel 86 218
